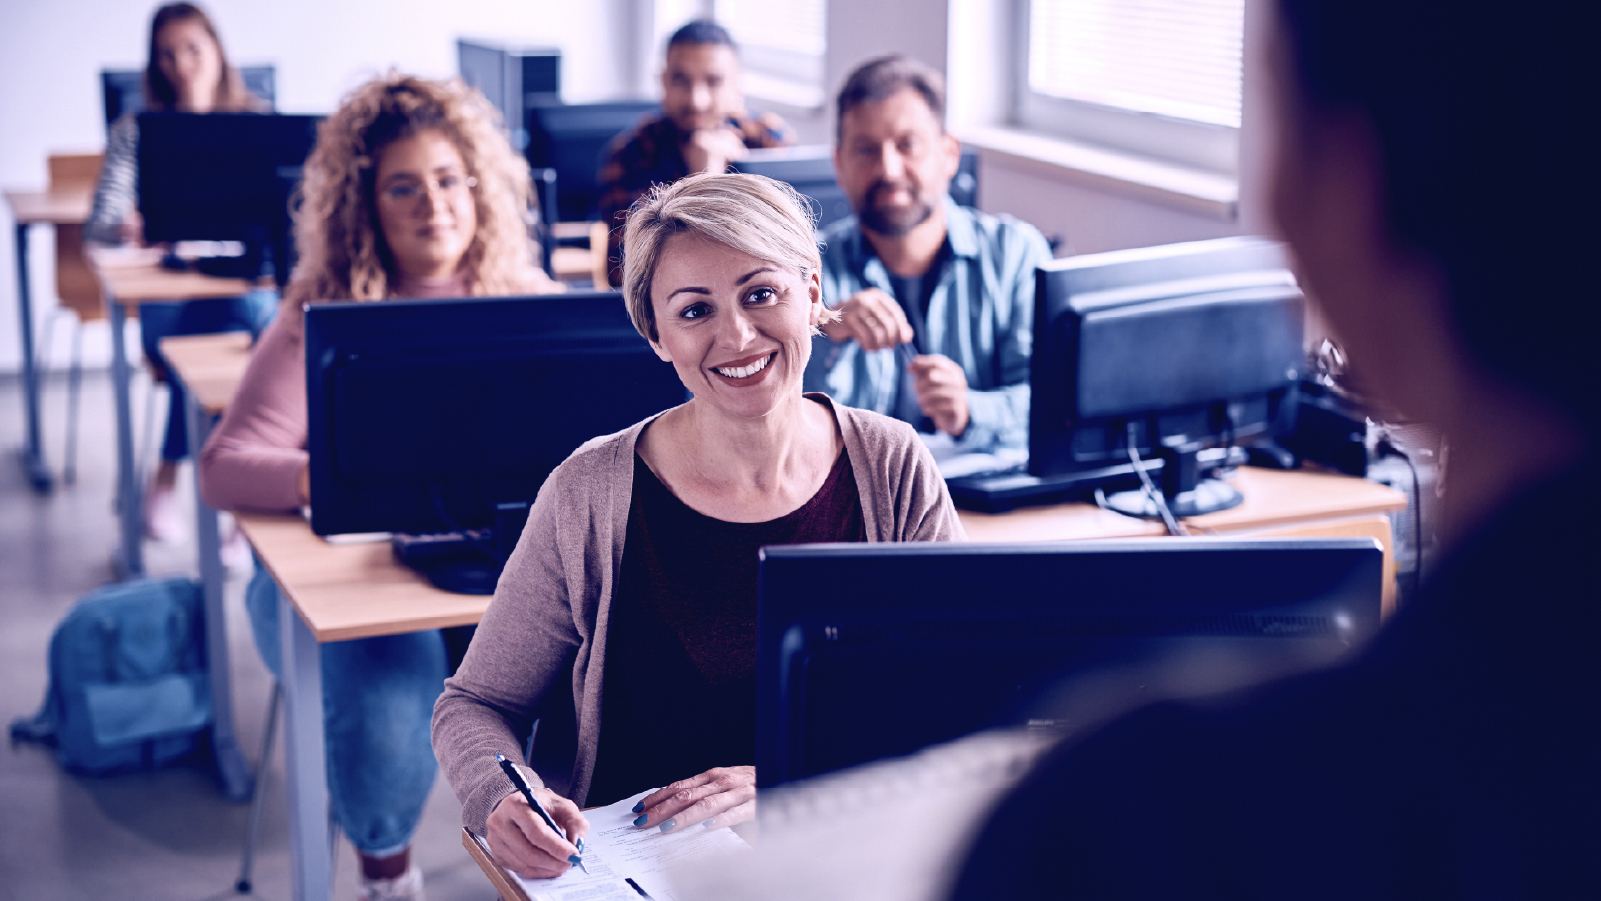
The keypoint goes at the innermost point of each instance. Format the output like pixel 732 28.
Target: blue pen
pixel 528 793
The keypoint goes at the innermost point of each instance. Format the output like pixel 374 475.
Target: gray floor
pixel 166 834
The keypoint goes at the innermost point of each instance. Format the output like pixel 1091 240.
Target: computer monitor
pixel 1170 351
pixel 439 416
pixel 123 90
pixel 809 170
pixel 572 139
pixel 223 177
pixel 867 651
pixel 512 79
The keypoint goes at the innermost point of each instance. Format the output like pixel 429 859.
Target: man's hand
pixel 872 319
pixel 712 149
pixel 941 388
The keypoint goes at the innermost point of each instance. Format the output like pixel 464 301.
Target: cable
pixel 1174 527
pixel 1387 446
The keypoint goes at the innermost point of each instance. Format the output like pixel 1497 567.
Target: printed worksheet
pixel 627 863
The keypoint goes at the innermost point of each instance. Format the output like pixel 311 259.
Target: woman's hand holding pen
pixel 521 842
pixel 718 797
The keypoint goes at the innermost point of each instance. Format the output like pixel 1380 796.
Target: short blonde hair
pixel 752 214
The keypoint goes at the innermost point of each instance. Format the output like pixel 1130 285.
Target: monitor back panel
pixel 221 176
pixel 869 651
pixel 571 139
pixel 426 414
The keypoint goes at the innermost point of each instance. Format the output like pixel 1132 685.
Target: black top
pixel 1458 756
pixel 913 293
pixel 679 693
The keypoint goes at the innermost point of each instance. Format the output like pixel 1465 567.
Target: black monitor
pixel 867 651
pixel 513 79
pixel 810 170
pixel 1168 351
pixel 440 416
pixel 123 90
pixel 223 177
pixel 572 139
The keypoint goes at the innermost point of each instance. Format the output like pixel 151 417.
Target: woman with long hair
pixel 186 71
pixel 412 191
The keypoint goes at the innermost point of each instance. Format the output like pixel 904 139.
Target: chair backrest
pixel 77 288
pixel 123 90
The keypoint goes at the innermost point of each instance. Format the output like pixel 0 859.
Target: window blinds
pixel 1178 58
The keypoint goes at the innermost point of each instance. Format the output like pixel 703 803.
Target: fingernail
pixel 640 807
pixel 668 825
pixel 574 859
pixel 579 845
pixel 641 820
pixel 707 824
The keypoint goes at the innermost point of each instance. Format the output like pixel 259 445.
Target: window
pixel 1159 78
pixel 781 45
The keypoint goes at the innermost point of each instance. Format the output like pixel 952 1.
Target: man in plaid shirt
pixel 703 128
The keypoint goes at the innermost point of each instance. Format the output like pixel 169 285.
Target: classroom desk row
pixel 343 591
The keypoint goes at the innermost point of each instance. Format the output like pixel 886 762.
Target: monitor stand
pixel 1186 492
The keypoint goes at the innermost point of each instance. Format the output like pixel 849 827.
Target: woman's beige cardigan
pixel 540 652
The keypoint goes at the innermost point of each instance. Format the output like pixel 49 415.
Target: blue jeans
pixel 377 700
pixel 249 313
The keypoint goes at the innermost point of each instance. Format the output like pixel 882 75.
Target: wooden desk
pixel 1277 504
pixel 333 592
pixel 29 208
pixel 132 277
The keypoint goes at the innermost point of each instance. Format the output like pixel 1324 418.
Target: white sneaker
pixel 235 551
pixel 405 887
pixel 164 521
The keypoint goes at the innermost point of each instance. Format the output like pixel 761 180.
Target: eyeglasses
pixel 449 187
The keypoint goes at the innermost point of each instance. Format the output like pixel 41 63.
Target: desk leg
pixel 231 766
pixel 33 464
pixel 309 855
pixel 130 495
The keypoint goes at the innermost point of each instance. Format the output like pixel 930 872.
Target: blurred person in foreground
pixel 1429 181
pixel 935 300
pixel 703 127
pixel 624 625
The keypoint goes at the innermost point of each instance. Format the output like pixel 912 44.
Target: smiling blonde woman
pixel 636 576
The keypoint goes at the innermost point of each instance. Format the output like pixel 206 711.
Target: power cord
pixel 1386 447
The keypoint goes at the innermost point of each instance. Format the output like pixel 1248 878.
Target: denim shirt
pixel 980 314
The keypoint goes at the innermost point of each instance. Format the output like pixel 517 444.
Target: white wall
pixel 51 53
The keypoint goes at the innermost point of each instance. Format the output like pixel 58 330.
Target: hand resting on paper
pixel 719 797
pixel 521 842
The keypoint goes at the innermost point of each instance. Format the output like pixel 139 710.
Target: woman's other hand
pixel 521 842
pixel 718 797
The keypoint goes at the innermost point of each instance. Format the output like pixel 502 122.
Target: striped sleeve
pixel 117 194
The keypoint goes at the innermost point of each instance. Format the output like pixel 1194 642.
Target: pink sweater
pixel 254 457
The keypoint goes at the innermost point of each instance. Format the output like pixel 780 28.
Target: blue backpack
pixel 128 684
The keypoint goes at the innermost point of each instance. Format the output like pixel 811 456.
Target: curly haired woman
pixel 411 191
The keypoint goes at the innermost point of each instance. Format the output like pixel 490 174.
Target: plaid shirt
pixel 650 155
